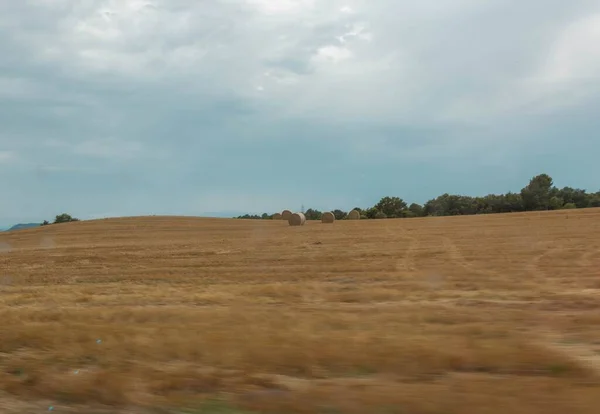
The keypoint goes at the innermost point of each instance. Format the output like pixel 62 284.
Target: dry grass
pixel 487 314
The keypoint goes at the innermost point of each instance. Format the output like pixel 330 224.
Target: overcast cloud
pixel 127 107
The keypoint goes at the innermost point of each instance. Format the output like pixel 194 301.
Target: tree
pixel 513 202
pixel 45 223
pixel 380 215
pixel 594 200
pixel 555 203
pixel 312 214
pixel 416 210
pixel 434 207
pixel 64 218
pixel 392 207
pixel 501 203
pixel 536 195
pixel 574 196
pixel 339 214
pixel 371 213
pixel 539 194
pixel 250 217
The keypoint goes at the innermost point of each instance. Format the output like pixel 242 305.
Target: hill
pixel 425 315
pixel 21 226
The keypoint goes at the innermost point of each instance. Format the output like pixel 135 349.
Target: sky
pixel 187 107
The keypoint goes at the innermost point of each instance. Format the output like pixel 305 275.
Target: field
pixel 482 314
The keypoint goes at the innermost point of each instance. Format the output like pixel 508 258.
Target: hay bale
pixel 297 219
pixel 276 216
pixel 328 217
pixel 354 215
pixel 286 214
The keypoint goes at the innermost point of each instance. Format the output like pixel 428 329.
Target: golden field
pixel 480 314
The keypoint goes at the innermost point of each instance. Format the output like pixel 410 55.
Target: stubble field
pixel 481 314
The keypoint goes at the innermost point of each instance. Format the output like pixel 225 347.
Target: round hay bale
pixel 354 215
pixel 286 214
pixel 297 219
pixel 276 216
pixel 328 217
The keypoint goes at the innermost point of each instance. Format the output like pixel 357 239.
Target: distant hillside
pixel 21 226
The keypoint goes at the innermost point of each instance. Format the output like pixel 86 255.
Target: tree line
pixel 540 194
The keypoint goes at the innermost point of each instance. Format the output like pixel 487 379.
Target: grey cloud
pixel 433 74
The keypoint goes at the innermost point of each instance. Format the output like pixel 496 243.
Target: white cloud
pixel 576 54
pixel 568 74
pixel 357 30
pixel 281 76
pixel 420 61
pixel 277 7
pixel 332 53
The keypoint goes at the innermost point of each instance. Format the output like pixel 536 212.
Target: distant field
pixel 480 314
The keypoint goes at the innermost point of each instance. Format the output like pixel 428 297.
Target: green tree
pixel 417 210
pixel 501 203
pixel 574 196
pixel 539 194
pixel 594 200
pixel 536 195
pixel 555 203
pixel 513 202
pixel 392 207
pixel 312 214
pixel 64 218
pixel 339 214
pixel 448 205
pixel 371 213
pixel 435 206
